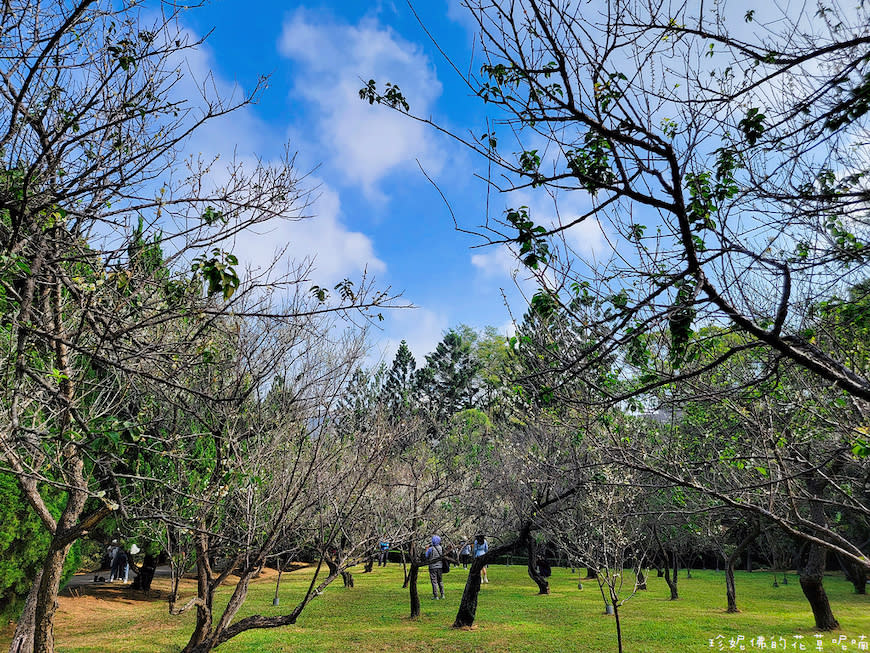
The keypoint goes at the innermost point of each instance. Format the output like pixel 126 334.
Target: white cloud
pixel 498 262
pixel 244 137
pixel 336 251
pixel 363 142
pixel 421 328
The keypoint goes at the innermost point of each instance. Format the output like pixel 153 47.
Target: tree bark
pixel 413 591
pixel 22 640
pixel 532 567
pixel 814 591
pixel 854 574
pixel 813 572
pixel 205 592
pixel 618 623
pixel 672 580
pixel 468 604
pixel 730 589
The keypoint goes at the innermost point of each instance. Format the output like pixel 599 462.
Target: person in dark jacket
pixel 434 555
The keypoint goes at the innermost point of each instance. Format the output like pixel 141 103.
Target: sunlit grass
pixel 511 616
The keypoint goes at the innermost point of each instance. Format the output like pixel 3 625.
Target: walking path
pixel 87 578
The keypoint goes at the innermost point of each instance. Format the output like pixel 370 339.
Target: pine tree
pixel 449 382
pixel 399 393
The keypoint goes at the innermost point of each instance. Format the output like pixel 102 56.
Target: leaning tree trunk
pixel 468 604
pixel 46 599
pixel 532 566
pixel 811 584
pixel 65 534
pixel 814 570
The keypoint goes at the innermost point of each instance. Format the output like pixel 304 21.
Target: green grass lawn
pixel 511 617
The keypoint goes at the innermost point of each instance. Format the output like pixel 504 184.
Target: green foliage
pixel 853 106
pixel 680 319
pixel 752 125
pixel 146 256
pixel 449 381
pixel 532 240
pixel 392 96
pixel 399 391
pixel 218 271
pixel 591 164
pixel 23 544
pixel 212 215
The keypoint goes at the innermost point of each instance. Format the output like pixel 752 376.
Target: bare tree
pixel 713 151
pixel 605 520
pixel 115 264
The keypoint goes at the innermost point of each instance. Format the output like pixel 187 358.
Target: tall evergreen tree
pixel 400 387
pixel 449 382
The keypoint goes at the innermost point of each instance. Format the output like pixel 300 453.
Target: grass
pixel 510 616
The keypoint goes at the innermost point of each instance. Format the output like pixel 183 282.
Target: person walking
pixel 481 546
pixel 383 552
pixel 434 555
pixel 465 554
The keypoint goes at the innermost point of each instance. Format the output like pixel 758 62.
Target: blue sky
pixel 375 210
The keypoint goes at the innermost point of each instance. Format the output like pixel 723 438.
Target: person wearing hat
pixel 434 554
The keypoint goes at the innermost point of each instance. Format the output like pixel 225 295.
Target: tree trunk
pixel 811 584
pixel 22 640
pixel 46 600
pixel 413 592
pixel 730 588
pixel 532 567
pixel 672 581
pixel 468 605
pixel 202 629
pixel 814 570
pixel 854 574
pixel 591 573
pixel 52 570
pixel 859 579
pixel 405 570
pixel 730 591
pixel 618 624
pixel 641 580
